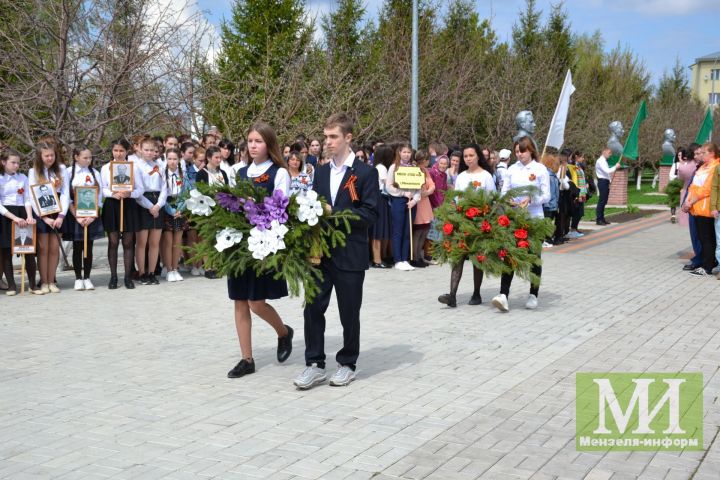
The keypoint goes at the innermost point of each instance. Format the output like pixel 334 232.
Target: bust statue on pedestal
pixel 525 123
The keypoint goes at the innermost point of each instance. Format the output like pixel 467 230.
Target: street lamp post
pixel 414 93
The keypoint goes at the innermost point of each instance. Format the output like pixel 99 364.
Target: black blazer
pixel 354 255
pixel 202 176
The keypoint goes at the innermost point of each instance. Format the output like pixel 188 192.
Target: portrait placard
pixel 23 239
pixel 46 198
pixel 410 178
pixel 121 176
pixel 86 202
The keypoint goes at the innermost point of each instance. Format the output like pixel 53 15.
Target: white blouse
pixel 85 177
pixel 483 178
pixel 173 189
pixel 62 190
pixel 152 179
pixel 10 185
pixel 137 190
pixel 282 177
pixel 534 173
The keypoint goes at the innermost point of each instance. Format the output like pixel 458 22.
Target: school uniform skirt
pixel 250 286
pixel 6 225
pixel 73 232
pixel 147 221
pixel 111 215
pixel 174 224
pixel 43 227
pixel 381 229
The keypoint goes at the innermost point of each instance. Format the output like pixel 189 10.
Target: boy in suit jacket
pixel 348 184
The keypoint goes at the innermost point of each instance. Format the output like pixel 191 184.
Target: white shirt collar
pixel 347 163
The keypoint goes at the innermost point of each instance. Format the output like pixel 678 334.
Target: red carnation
pixel 481 258
pixel 472 212
pixel 503 221
pixel 448 228
pixel 502 254
pixel 521 234
pixel 486 227
pixel 458 208
pixel 462 245
pixel 523 244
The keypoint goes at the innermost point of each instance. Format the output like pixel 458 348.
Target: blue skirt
pixel 43 227
pixel 73 232
pixel 249 286
pixel 382 229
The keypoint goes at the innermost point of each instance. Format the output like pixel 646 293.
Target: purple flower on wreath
pixel 273 208
pixel 229 202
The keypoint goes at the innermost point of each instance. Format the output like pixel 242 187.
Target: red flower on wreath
pixel 466 233
pixel 521 234
pixel 523 244
pixel 458 208
pixel 481 258
pixel 532 177
pixel 262 178
pixel 20 191
pixel 447 245
pixel 503 221
pixel 462 245
pixel 472 212
pixel 448 228
pixel 502 254
pixel 486 227
pixel 485 209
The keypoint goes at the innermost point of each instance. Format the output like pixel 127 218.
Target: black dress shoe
pixel 211 274
pixel 128 283
pixel 448 300
pixel 242 368
pixel 113 283
pixel 380 265
pixel 152 279
pixel 418 263
pixel 689 266
pixel 285 345
pixel 475 300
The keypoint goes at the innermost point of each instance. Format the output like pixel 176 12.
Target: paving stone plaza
pixel 132 384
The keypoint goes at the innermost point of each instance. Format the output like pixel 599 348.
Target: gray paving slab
pixel 131 384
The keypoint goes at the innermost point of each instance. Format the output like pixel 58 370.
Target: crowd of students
pixel 698 168
pixel 155 229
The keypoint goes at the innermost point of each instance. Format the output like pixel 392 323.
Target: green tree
pixel 343 31
pixel 527 36
pixel 673 85
pixel 558 38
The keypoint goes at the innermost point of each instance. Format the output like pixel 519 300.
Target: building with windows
pixel 706 78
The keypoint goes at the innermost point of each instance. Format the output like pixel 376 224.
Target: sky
pixel 657 31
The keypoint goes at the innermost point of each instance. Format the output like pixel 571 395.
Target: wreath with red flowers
pixel 486 229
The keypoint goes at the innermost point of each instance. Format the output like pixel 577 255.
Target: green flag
pixel 631 145
pixel 705 133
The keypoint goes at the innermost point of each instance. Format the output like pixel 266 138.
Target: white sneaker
pixel 171 276
pixel 401 266
pixel 79 285
pixel 195 272
pixel 531 303
pixel 88 284
pixel 342 377
pixel 547 245
pixel 310 377
pixel 501 302
pixel 409 267
pixel 164 272
pixel 178 277
pixel 202 271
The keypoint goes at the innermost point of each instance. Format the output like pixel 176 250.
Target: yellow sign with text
pixel 409 178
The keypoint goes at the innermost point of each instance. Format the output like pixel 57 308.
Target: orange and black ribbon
pixel 262 178
pixel 350 187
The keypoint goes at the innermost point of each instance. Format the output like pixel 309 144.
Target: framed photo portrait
pixel 23 239
pixel 46 198
pixel 121 176
pixel 86 202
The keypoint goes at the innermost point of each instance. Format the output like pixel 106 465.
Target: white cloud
pixel 661 7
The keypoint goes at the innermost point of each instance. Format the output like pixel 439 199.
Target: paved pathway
pixel 118 384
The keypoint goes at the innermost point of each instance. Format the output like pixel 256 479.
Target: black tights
pixel 456 275
pixel 7 267
pixel 128 243
pixel 82 266
pixel 507 278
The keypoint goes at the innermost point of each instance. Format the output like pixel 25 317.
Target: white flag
pixel 556 134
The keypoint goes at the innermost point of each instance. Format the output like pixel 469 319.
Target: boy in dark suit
pixel 348 184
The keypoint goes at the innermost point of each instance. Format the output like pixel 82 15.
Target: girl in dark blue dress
pixel 249 290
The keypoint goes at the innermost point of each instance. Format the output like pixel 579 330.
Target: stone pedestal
pixel 618 187
pixel 664 177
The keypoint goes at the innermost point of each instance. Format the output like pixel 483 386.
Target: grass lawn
pixel 639 197
pixel 590 213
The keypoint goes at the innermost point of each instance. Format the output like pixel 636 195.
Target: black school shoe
pixel 113 283
pixel 475 300
pixel 284 348
pixel 144 279
pixel 448 300
pixel 242 368
pixel 152 280
pixel 129 283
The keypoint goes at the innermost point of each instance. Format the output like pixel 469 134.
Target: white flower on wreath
pixel 310 207
pixel 262 243
pixel 199 204
pixel 226 238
